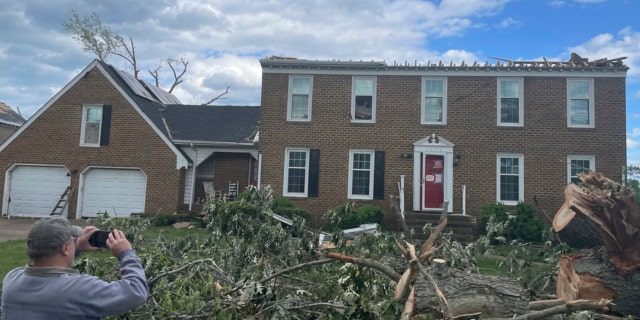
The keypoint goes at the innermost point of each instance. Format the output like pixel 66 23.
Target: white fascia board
pixel 181 160
pixel 48 104
pixel 197 143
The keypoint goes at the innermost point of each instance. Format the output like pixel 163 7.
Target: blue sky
pixel 223 39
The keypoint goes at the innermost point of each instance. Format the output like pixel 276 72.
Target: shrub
pixel 346 217
pixel 522 224
pixel 286 208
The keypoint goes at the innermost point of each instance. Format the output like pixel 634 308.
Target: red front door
pixel 433 182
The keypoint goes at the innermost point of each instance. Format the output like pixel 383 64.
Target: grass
pixel 14 252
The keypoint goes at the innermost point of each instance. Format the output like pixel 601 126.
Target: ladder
pixel 63 202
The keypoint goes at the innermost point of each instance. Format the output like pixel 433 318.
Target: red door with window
pixel 433 181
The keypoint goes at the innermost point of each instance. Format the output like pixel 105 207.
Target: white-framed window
pixel 510 178
pixel 91 127
pixel 296 172
pixel 434 101
pixel 510 102
pixel 363 99
pixel 300 96
pixel 580 103
pixel 361 169
pixel 577 165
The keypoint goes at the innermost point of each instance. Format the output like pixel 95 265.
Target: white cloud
pixel 625 43
pixel 632 144
pixel 635 132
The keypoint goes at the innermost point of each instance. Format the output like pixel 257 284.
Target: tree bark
pixel 467 293
pixel 589 274
pixel 610 271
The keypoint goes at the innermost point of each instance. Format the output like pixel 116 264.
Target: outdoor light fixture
pixel 456 160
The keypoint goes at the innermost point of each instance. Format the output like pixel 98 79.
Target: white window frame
pixel 592 119
pixel 290 98
pixel 520 97
pixel 592 164
pixel 285 184
pixel 424 97
pixel 373 99
pixel 83 126
pixel 371 153
pixel 520 158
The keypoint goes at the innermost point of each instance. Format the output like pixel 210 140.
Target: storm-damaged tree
pixel 99 39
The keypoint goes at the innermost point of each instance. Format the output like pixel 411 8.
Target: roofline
pixel 459 72
pixel 200 143
pixel 47 104
pixel 181 160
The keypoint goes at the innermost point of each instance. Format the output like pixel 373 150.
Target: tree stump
pixel 611 271
pixel 469 294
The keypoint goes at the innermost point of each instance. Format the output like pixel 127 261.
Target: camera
pixel 99 238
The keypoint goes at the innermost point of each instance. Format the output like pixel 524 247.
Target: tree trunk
pixel 468 294
pixel 611 271
pixel 589 274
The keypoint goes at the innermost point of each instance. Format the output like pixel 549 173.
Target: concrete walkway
pixel 18 228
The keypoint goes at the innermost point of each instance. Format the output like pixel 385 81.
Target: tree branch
pixel 220 96
pixel 383 268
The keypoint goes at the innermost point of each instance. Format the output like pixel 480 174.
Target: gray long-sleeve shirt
pixel 62 293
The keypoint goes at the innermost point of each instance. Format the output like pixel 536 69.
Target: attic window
pixel 95 125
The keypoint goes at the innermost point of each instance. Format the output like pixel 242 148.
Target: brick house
pixel 124 147
pixel 10 121
pixel 473 134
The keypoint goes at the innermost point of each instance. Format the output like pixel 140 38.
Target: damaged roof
pixel 9 117
pixel 190 123
pixel 576 62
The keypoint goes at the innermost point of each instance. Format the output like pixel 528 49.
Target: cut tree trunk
pixel 589 274
pixel 611 271
pixel 469 294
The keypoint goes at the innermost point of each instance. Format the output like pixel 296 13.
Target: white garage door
pixel 119 192
pixel 35 190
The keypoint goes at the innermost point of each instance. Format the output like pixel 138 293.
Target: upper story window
pixel 577 165
pixel 361 166
pixel 363 99
pixel 296 172
pixel 580 103
pixel 434 102
pixel 510 102
pixel 299 104
pixel 510 178
pixel 96 120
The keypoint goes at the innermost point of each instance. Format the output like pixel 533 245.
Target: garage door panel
pixel 35 190
pixel 119 192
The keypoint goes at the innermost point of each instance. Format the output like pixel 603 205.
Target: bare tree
pixel 101 41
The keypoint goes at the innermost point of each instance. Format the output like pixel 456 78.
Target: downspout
pixel 193 177
pixel 259 170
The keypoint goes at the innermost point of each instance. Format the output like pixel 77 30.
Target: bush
pixel 286 208
pixel 346 217
pixel 521 225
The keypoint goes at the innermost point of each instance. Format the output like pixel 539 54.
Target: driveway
pixel 18 228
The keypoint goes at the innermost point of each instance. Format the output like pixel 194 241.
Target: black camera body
pixel 99 238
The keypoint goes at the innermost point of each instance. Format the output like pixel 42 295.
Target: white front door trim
pixel 434 145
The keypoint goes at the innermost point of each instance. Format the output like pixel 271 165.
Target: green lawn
pixel 14 252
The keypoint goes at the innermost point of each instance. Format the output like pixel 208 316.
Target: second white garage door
pixel 119 192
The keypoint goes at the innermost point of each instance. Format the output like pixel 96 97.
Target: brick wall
pixel 54 138
pixel 545 141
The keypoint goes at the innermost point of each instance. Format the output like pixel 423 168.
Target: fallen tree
pixel 607 271
pixel 429 288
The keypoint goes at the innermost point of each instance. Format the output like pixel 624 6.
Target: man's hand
pixel 118 243
pixel 82 244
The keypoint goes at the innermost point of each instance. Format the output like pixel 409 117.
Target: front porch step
pixel 463 227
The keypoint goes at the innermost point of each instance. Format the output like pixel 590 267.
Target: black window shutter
pixel 105 125
pixel 314 172
pixel 378 176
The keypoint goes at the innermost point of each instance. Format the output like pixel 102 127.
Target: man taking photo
pixel 48 288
